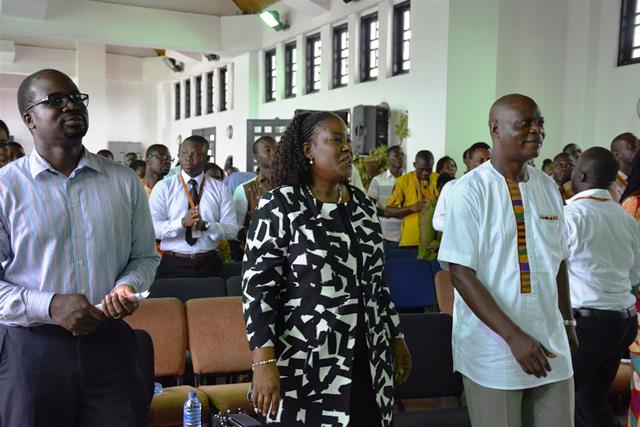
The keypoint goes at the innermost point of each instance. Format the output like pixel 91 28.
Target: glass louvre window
pixel 176 104
pixel 340 56
pixel 210 92
pixel 401 38
pixel 224 88
pixel 187 98
pixel 198 95
pixel 270 75
pixel 313 63
pixel 629 43
pixel 369 48
pixel 290 70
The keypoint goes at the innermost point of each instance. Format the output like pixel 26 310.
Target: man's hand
pixel 402 359
pixel 417 207
pixel 530 354
pixel 192 217
pixel 120 302
pixel 573 337
pixel 75 313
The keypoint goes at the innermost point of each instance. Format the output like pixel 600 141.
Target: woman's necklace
pixel 339 193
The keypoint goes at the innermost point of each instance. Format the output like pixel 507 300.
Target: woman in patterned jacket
pixel 324 333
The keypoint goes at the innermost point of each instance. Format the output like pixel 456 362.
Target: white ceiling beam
pixel 28 9
pixel 309 7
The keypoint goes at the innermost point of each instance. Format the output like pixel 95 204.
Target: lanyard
pixel 186 190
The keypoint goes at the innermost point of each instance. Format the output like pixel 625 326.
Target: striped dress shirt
pixel 82 234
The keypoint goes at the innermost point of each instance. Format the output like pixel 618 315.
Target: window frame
pixel 223 87
pixel 270 75
pixel 178 101
pixel 310 65
pixel 198 111
pixel 628 14
pixel 338 49
pixel 187 98
pixel 210 92
pixel 290 70
pixel 365 47
pixel 398 37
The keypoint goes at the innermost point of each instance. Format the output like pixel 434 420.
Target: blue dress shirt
pixel 82 234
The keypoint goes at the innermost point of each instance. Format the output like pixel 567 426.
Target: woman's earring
pixel 311 161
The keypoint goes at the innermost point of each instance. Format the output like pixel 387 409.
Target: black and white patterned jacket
pixel 306 264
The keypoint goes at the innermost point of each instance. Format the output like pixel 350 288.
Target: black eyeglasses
pixel 161 158
pixel 60 100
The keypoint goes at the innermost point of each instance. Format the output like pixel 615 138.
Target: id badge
pixel 196 234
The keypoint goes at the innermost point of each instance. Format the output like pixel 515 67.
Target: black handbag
pixel 235 418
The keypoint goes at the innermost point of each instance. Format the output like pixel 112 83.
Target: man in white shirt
pixel 504 246
pixel 191 213
pixel 603 264
pixel 474 156
pixel 379 191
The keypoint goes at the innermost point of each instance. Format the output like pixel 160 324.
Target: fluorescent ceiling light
pixel 272 19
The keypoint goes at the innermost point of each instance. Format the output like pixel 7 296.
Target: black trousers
pixel 602 343
pixel 50 378
pixel 173 266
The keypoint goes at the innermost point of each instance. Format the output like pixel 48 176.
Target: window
pixel 187 98
pixel 176 105
pixel 401 37
pixel 314 50
pixel 270 75
pixel 290 70
pixel 340 56
pixel 224 87
pixel 629 46
pixel 210 92
pixel 198 95
pixel 369 47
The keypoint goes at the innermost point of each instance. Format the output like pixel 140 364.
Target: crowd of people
pixel 544 263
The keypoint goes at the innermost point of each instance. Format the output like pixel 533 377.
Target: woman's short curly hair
pixel 290 165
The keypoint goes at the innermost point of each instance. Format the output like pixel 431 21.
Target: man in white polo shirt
pixel 603 263
pixel 503 243
pixel 380 189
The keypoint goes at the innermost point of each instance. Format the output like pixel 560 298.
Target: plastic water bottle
pixel 157 389
pixel 192 415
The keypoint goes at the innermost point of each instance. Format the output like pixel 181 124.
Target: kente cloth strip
pixel 523 257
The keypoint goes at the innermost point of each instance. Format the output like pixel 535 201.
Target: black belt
pixel 197 255
pixel 604 314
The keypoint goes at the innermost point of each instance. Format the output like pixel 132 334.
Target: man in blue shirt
pixel 75 231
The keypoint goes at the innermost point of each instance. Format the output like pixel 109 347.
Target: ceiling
pixel 206 7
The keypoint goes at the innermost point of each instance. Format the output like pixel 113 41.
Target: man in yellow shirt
pixel 410 193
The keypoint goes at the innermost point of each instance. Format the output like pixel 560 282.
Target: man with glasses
pixel 75 231
pixel 192 213
pixel 158 165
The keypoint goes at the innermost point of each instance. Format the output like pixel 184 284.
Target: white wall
pixel 422 92
pixel 465 53
pixel 562 53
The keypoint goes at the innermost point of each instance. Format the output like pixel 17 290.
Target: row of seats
pixel 212 330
